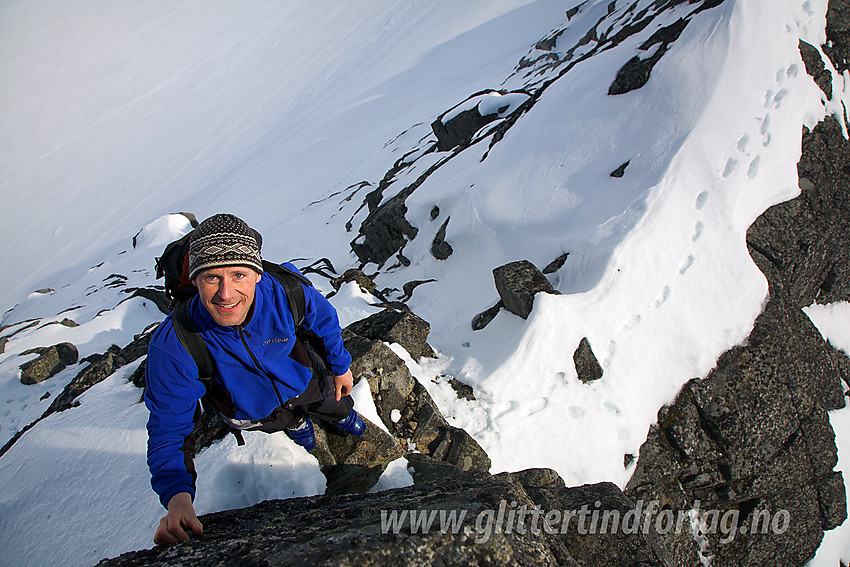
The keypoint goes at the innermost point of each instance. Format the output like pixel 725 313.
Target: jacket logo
pixel 276 341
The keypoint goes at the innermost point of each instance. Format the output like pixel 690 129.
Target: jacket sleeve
pixel 172 391
pixel 320 319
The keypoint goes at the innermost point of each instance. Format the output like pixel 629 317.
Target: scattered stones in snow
pixel 483 319
pixel 620 171
pixel 99 367
pixel 440 249
pixel 587 367
pixel 64 322
pixel 50 361
pixel 385 231
pixel 410 286
pixel 517 284
pixel 556 264
pixel 464 391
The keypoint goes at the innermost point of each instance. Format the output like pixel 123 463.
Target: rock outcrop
pixel 518 283
pixel 588 368
pixel 524 518
pixel 50 361
pixel 406 409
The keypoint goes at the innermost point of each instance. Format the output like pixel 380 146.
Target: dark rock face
pixel 635 73
pixel 804 244
pixel 385 529
pixel 393 326
pixel 816 68
pixel 51 361
pixel 517 284
pixel 384 232
pixel 837 46
pixel 753 435
pixel 620 171
pixel 587 367
pixel 556 264
pixel 353 465
pixel 460 129
pixel 406 408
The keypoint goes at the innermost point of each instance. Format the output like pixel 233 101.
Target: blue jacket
pixel 252 363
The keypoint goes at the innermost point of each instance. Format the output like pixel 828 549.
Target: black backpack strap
pixel 291 282
pixel 194 344
pixel 192 341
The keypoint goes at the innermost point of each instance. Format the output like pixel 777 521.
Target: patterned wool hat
pixel 224 240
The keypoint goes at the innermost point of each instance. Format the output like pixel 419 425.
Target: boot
pixel 303 435
pixel 352 425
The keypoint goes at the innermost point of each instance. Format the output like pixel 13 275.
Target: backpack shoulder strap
pixel 291 282
pixel 192 340
pixel 194 344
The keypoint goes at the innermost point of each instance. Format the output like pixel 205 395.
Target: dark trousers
pixel 318 401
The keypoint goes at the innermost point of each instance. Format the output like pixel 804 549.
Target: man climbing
pixel 264 378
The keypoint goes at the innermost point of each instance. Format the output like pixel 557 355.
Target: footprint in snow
pixel 753 170
pixel 730 167
pixel 701 199
pixel 665 294
pixel 689 261
pixel 609 353
pixel 697 231
pixel 742 143
pixel 764 129
pixel 632 323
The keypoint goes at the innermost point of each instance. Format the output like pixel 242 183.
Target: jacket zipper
pixel 242 334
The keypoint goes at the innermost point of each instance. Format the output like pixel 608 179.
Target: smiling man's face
pixel 227 293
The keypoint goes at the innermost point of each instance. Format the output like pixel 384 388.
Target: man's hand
pixel 181 514
pixel 343 384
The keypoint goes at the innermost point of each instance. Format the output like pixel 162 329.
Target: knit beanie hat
pixel 224 240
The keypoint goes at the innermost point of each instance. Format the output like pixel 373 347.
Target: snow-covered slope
pixel 289 115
